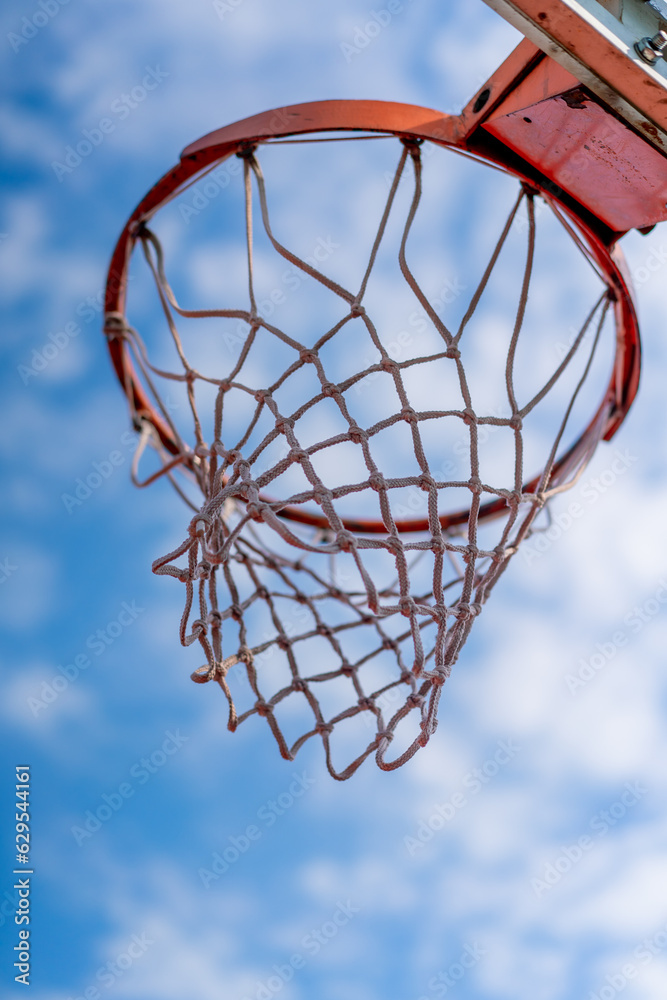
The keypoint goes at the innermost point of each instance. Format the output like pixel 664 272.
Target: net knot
pixel 262 708
pixel 466 612
pixel 475 484
pixel 283 642
pixel 409 415
pixel 471 553
pixel 298 685
pixel 426 482
pixel 453 353
pixel 356 309
pixel 515 422
pixel 469 416
pixel 516 497
pixel 245 655
pixel 256 510
pixel 414 700
pixel 323 728
pixel 204 569
pixel 325 630
pixel 377 482
pixel 407 606
pixel 283 424
pixel 298 455
pixel 345 541
pixel 357 434
pixel 394 544
pixel 322 495
pixel 214 618
pixel 249 490
pixel 236 612
pixel 439 613
pixel 438 545
pixel 389 366
pixel 386 734
pixel 199 627
pixel 261 394
pixel 242 466
pixel 366 704
pixel 330 389
pixel 308 356
pixel 198 525
pixel 201 451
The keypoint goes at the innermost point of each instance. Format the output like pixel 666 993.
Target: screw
pixel 650 49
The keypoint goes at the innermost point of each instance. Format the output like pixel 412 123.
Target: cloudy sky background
pixel 465 914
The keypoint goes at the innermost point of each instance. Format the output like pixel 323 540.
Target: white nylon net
pixel 338 628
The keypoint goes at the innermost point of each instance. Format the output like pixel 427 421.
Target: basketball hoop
pixel 323 601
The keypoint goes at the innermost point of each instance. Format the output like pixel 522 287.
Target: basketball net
pixel 321 623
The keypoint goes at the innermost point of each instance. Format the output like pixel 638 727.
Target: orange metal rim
pixel 403 121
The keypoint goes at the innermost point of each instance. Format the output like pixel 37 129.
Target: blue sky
pixel 521 854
